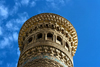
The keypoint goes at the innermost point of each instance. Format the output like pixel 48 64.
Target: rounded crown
pixel 48 17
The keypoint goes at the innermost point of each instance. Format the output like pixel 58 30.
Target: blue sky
pixel 83 14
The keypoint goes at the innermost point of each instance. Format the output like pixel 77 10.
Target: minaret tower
pixel 47 40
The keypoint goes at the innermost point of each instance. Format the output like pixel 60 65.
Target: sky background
pixel 83 14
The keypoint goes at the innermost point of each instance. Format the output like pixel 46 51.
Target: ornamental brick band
pixel 33 22
pixel 45 52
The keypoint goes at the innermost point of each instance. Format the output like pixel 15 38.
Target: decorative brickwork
pixel 44 51
pixel 43 63
pixel 47 40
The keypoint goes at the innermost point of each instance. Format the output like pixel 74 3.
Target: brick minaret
pixel 47 40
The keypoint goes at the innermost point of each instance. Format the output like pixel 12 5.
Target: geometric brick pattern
pixel 42 63
pixel 47 51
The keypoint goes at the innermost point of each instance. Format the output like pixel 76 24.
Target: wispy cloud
pixel 3 12
pixel 10 38
pixel 7 41
pixel 56 4
pixel 18 52
pixel 25 2
pixel 0 30
pixel 22 17
pixel 15 36
pixel 11 25
pixel 11 65
pixel 16 64
pixel 4 43
pixel 14 24
pixel 15 8
pixel 33 3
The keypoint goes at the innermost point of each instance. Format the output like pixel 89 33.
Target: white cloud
pixel 15 36
pixel 18 52
pixel 56 4
pixel 10 38
pixel 11 65
pixel 22 18
pixel 25 2
pixel 15 8
pixel 13 24
pixel 0 31
pixel 5 42
pixel 3 12
pixel 16 64
pixel 16 28
pixel 62 1
pixel 33 3
pixel 58 1
pixel 49 0
pixel 9 25
pixel 8 65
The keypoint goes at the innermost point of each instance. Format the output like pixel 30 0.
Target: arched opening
pixel 26 34
pixel 39 36
pixel 57 28
pixel 30 31
pixel 70 39
pixel 71 43
pixel 67 46
pixel 47 25
pixel 30 40
pixel 66 34
pixel 49 36
pixel 52 26
pixel 41 26
pixel 59 40
pixel 62 31
pixel 23 38
pixel 35 28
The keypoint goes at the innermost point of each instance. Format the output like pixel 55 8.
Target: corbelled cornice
pixel 52 18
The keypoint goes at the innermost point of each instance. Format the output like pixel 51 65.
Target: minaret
pixel 47 40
